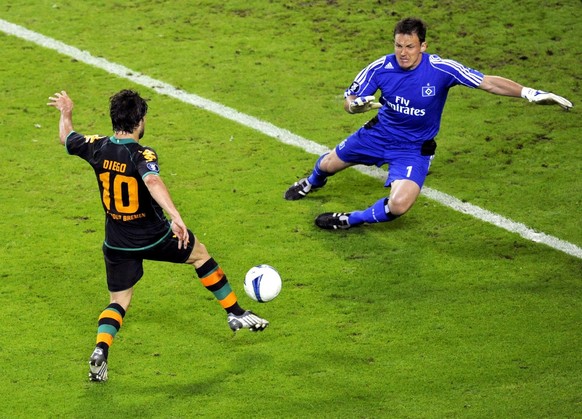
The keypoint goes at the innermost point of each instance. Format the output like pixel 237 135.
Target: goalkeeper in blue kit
pixel 413 89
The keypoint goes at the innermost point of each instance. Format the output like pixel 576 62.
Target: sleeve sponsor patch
pixel 149 155
pixel 153 166
pixel 354 87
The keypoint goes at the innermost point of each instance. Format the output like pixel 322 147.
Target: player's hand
pixel 181 232
pixel 545 98
pixel 364 104
pixel 61 101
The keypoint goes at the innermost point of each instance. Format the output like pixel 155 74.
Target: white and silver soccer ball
pixel 263 283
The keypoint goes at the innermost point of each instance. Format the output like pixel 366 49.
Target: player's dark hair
pixel 411 25
pixel 127 108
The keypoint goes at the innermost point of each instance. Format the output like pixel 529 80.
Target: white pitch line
pixel 282 135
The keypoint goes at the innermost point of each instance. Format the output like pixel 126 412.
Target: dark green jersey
pixel 133 219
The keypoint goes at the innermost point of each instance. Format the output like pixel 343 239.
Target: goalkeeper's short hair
pixel 411 25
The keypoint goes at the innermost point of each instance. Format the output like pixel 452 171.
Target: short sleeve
pixel 148 162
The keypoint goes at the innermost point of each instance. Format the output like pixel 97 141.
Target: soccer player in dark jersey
pixel 134 198
pixel 413 86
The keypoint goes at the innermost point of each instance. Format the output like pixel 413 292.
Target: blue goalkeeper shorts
pixel 404 160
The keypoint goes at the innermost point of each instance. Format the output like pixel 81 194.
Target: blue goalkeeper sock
pixel 318 177
pixel 377 213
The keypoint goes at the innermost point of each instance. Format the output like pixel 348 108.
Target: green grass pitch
pixel 436 315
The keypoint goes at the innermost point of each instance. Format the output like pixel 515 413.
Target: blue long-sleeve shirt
pixel 413 100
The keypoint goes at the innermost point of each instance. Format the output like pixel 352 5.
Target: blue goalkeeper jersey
pixel 413 100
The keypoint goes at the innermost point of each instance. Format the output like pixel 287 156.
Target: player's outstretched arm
pixel 505 87
pixel 64 104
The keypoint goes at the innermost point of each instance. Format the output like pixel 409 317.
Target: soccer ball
pixel 262 283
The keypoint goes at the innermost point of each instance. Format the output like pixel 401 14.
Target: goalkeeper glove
pixel 364 104
pixel 545 98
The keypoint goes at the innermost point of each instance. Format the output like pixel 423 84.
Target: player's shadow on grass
pixel 240 365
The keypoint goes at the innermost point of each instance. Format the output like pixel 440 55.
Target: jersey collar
pixel 115 140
